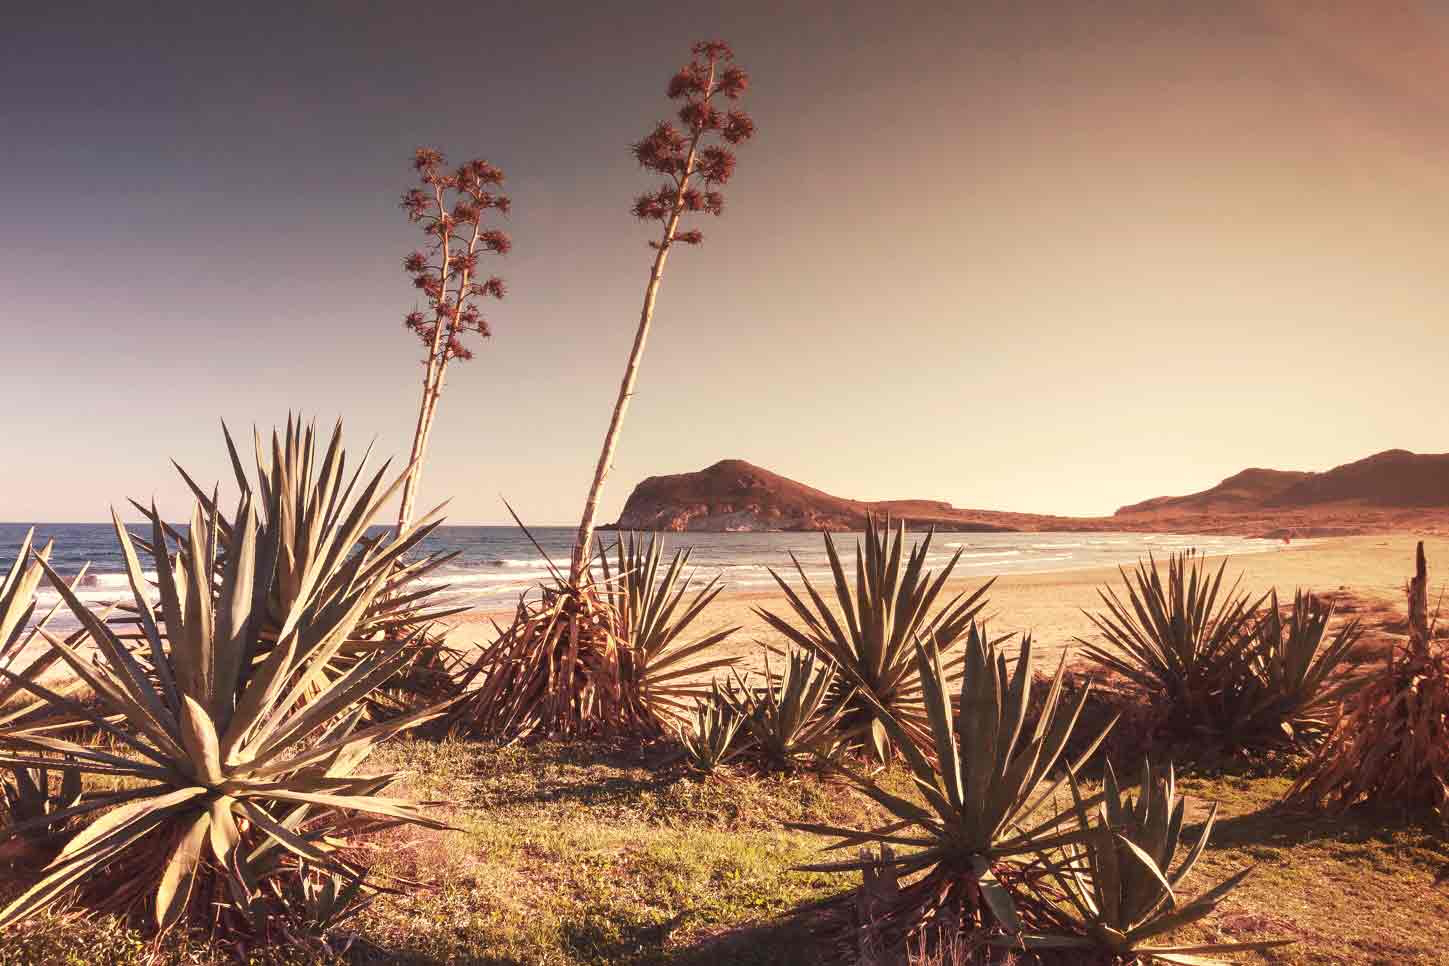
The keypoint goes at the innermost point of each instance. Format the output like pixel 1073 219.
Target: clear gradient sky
pixel 1041 256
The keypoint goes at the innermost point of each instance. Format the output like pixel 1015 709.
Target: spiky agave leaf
pixel 1189 642
pixel 713 738
pixel 1116 889
pixel 984 775
pixel 873 637
pixel 230 745
pixel 789 718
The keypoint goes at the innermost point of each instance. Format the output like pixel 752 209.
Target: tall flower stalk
pixel 695 165
pixel 450 207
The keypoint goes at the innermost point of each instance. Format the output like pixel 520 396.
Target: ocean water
pixel 496 564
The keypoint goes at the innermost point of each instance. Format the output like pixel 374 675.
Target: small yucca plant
pixel 789 719
pixel 610 657
pixel 712 738
pixel 236 754
pixel 1115 892
pixel 871 633
pixel 1187 643
pixel 984 776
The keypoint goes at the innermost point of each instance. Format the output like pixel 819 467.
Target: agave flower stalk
pixel 1116 890
pixel 450 207
pixel 238 754
pixel 984 776
pixel 871 634
pixel 694 170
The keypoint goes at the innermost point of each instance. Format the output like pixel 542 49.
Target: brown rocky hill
pixel 1394 478
pixel 736 495
pixel 1393 490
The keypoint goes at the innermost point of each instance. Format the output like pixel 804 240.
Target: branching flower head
pixel 689 153
pixel 451 206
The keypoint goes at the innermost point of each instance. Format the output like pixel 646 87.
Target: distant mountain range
pixel 1395 489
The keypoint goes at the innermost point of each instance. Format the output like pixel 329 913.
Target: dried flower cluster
pixel 450 207
pixel 696 168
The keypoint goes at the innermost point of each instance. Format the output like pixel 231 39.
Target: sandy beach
pixel 1372 569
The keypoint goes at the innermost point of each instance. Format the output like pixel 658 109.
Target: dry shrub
pixel 1390 743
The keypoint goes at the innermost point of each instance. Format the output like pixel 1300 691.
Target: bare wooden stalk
pixel 583 542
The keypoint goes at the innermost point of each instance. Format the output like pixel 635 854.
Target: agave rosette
pixel 984 775
pixel 1190 642
pixel 1298 678
pixel 713 737
pixel 232 753
pixel 872 641
pixel 1116 890
pixel 789 718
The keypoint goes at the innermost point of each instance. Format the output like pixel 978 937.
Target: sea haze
pixel 495 564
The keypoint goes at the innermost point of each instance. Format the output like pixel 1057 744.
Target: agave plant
pixel 873 638
pixel 1189 644
pixel 984 775
pixel 1116 891
pixel 712 739
pixel 320 524
pixel 607 657
pixel 788 718
pixel 236 752
pixel 1297 680
pixel 19 630
pixel 658 669
pixel 26 797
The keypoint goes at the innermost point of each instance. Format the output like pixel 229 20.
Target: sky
pixel 1053 257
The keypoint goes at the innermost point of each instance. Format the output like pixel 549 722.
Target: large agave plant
pixel 317 512
pixel 872 639
pixel 234 753
pixel 1189 643
pixel 608 657
pixel 788 718
pixel 1115 891
pixel 984 776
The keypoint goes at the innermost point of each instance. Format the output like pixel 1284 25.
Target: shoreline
pixel 1371 568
